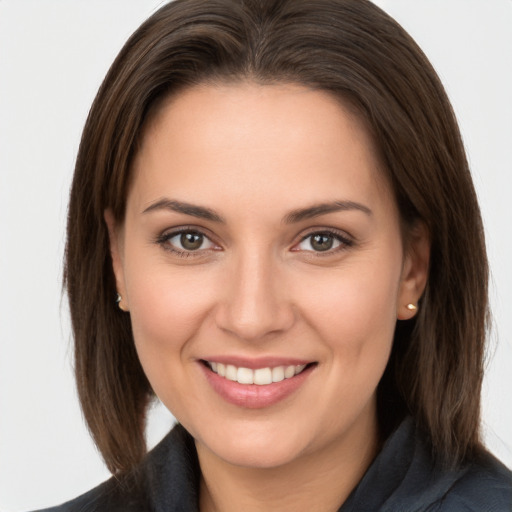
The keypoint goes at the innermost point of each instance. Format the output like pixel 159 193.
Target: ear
pixel 116 242
pixel 414 271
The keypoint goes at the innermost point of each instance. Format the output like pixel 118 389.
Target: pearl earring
pixel 118 300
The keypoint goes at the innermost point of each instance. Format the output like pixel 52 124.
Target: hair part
pixel 355 51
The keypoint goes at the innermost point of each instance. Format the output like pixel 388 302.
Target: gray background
pixel 53 56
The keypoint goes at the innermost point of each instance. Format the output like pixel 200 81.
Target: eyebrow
pixel 188 209
pixel 324 208
pixel 294 216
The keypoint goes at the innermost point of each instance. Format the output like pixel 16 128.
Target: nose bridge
pixel 255 303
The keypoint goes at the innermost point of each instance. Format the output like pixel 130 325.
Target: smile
pixel 259 376
pixel 269 381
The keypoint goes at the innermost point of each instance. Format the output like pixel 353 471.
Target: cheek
pixel 354 319
pixel 167 311
pixel 353 310
pixel 167 307
pixel 163 308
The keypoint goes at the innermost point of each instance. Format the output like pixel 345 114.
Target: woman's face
pixel 261 243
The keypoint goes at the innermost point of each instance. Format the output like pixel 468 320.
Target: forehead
pixel 248 140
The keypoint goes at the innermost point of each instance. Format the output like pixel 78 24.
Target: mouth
pixel 258 376
pixel 256 384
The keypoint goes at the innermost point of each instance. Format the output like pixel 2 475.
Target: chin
pixel 256 449
pixel 257 458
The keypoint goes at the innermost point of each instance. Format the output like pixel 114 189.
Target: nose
pixel 255 303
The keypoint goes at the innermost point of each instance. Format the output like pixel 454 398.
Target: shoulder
pixel 482 486
pixel 405 477
pixel 108 496
pixel 167 479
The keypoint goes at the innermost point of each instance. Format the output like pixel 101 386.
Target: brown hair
pixel 358 53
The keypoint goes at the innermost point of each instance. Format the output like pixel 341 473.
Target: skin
pixel 257 287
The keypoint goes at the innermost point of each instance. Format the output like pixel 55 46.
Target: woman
pixel 276 195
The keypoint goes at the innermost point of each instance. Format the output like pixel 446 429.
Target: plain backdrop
pixel 53 56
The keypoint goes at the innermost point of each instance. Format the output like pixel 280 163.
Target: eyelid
pixel 170 233
pixel 343 237
pixel 346 240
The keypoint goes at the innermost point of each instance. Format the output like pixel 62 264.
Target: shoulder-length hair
pixel 358 53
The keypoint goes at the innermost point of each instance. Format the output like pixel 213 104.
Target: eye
pixel 185 242
pixel 323 241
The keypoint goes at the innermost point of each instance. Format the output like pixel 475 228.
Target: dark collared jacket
pixel 402 478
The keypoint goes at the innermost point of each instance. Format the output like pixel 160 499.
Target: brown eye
pixel 191 241
pixel 322 242
pixel 186 242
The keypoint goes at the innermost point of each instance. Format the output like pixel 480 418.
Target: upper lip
pixel 257 362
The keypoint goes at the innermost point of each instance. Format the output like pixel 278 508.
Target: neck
pixel 321 480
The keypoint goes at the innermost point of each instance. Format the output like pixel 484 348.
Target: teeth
pixel 261 376
pixel 278 374
pixel 289 372
pixel 231 372
pixel 245 376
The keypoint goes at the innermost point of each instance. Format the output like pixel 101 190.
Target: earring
pixel 412 307
pixel 118 301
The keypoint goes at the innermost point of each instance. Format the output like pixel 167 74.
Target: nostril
pixel 253 321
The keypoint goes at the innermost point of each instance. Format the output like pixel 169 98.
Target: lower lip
pixel 253 396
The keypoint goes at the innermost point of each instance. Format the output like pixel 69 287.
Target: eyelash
pixel 163 241
pixel 344 241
